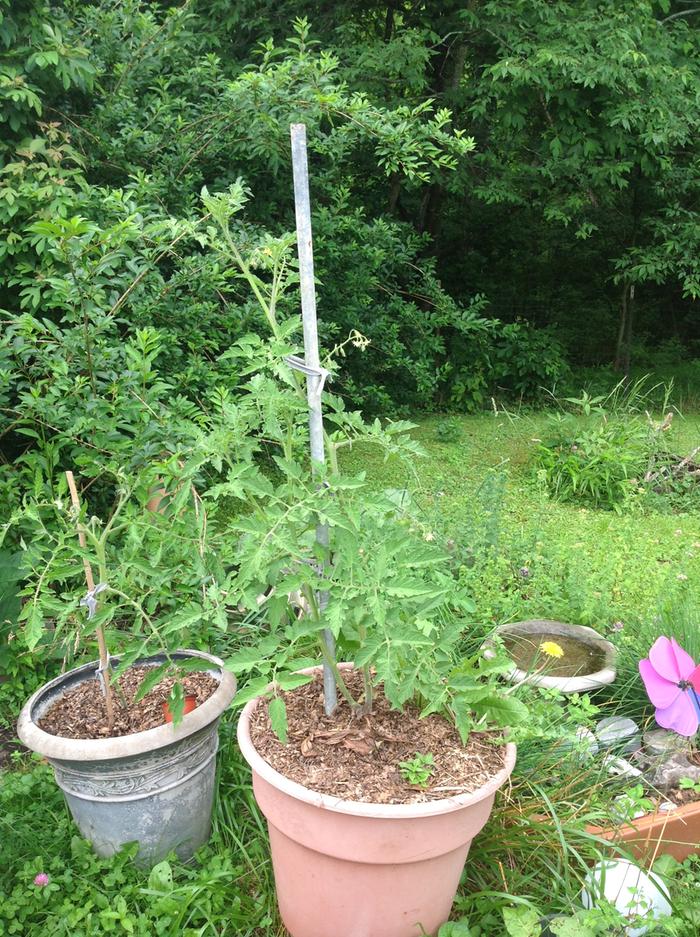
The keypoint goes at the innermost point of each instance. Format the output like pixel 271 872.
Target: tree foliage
pixel 498 189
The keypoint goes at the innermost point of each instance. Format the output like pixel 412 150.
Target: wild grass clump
pixel 607 451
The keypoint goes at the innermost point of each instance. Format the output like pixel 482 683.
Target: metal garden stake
pixel 90 602
pixel 311 365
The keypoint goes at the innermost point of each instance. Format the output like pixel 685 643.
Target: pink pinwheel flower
pixel 672 681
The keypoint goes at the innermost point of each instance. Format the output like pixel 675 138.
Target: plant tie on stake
pixel 103 673
pixel 89 601
pixel 321 374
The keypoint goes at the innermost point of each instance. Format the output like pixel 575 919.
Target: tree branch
pixel 675 16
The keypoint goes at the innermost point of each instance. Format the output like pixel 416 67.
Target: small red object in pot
pixel 190 704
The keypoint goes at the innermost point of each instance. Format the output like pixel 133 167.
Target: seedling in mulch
pixel 418 770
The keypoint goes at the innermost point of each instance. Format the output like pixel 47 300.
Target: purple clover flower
pixel 41 879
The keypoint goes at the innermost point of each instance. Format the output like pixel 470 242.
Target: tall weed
pixel 606 451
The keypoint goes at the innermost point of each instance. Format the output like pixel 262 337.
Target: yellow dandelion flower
pixel 552 649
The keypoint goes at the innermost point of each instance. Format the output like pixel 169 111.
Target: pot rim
pixel 67 749
pixel 355 807
pixel 581 682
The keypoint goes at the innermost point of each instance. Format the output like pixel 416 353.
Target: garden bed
pixel 673 833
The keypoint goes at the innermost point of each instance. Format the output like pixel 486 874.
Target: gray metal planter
pixel 156 787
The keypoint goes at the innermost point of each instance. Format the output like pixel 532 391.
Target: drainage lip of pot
pixel 580 683
pixel 67 749
pixel 359 808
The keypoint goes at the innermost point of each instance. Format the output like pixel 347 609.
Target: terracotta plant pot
pixel 189 704
pixel 364 869
pixel 674 833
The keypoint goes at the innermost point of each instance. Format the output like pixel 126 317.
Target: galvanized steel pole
pixel 314 382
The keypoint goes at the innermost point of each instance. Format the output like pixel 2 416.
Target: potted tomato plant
pixel 127 771
pixel 372 801
pixel 371 807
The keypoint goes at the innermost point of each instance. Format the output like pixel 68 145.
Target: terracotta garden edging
pixel 673 833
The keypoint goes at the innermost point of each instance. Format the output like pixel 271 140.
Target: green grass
pixel 226 892
pixel 594 565
pixel 478 494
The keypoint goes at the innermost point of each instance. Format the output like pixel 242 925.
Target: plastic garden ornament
pixel 672 681
pixel 639 896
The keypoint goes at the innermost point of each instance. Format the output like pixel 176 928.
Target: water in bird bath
pixel 529 654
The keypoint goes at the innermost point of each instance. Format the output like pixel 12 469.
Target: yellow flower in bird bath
pixel 552 649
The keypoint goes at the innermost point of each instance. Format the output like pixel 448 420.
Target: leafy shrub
pixel 448 430
pixel 527 361
pixel 107 211
pixel 599 465
pixel 513 360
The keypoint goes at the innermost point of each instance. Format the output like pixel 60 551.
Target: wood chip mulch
pixel 683 796
pixel 80 713
pixel 357 757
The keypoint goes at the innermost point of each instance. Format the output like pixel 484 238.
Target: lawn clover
pixel 672 682
pixel 41 880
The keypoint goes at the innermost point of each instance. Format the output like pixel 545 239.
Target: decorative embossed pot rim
pixel 66 749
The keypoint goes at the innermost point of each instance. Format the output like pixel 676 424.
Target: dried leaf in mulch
pixel 80 713
pixel 682 796
pixel 357 757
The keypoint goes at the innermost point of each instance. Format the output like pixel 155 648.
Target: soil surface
pixel 578 657
pixel 8 744
pixel 80 713
pixel 357 757
pixel 682 797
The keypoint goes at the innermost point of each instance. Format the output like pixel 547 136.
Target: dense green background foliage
pixel 498 188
